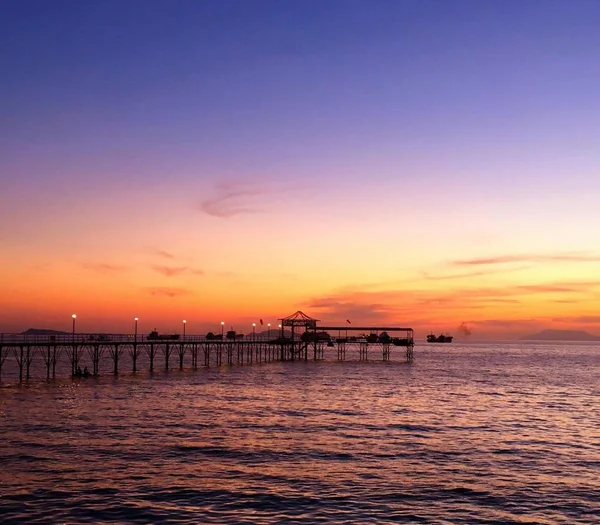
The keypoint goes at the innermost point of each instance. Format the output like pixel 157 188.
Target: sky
pixel 423 163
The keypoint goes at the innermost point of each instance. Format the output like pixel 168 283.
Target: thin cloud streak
pixel 565 287
pixel 583 319
pixel 104 268
pixel 226 203
pixel 169 271
pixel 161 253
pixel 503 259
pixel 236 198
pixel 173 271
pixel 469 275
pixel 506 323
pixel 168 292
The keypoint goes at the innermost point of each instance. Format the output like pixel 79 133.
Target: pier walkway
pixel 64 353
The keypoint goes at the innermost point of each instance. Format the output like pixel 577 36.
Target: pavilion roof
pixel 298 318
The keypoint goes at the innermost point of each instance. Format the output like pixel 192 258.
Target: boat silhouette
pixel 431 338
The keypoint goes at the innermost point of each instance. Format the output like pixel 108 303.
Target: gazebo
pixel 298 323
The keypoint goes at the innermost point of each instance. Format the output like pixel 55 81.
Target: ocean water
pixel 480 434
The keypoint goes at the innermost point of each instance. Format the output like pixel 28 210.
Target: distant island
pixel 561 335
pixel 43 331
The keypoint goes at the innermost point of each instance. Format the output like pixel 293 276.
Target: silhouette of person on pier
pixel 78 372
pixel 86 372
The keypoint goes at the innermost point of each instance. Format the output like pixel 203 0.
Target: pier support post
pixel 28 362
pixel 181 355
pixel 116 359
pixel 363 349
pixel 54 362
pixel 386 351
pixel 20 362
pixel 151 356
pixel 134 356
pixel 195 356
pixel 206 349
pixel 73 359
pixel 95 359
pixel 341 351
pixel 48 359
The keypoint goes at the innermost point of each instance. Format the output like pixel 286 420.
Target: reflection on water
pixel 465 434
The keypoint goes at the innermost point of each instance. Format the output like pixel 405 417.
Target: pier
pixel 54 355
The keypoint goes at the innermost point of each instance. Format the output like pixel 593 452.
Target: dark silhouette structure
pixel 303 336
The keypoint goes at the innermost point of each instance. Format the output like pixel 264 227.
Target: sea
pixel 474 433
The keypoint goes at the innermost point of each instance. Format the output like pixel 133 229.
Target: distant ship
pixel 431 338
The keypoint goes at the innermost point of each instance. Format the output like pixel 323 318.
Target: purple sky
pixel 469 125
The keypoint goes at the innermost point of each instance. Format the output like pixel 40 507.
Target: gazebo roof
pixel 298 319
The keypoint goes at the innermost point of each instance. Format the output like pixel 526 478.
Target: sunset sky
pixel 410 162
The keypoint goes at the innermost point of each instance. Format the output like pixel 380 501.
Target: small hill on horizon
pixel 560 335
pixel 43 331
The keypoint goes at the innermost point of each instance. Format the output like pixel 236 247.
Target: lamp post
pixel 222 329
pixel 253 331
pixel 269 330
pixel 135 336
pixel 74 317
pixel 184 322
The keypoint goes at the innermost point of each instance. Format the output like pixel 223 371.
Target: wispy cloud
pixel 173 271
pixel 535 258
pixel 452 276
pixel 168 292
pixel 564 287
pixel 160 252
pixel 170 271
pixel 103 268
pixel 372 312
pixel 393 303
pixel 421 306
pixel 469 275
pixel 582 319
pixel 236 198
pixel 506 323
